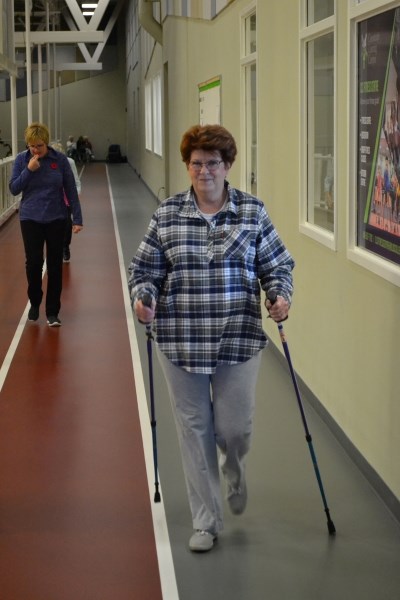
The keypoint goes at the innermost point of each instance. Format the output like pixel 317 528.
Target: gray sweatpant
pixel 210 411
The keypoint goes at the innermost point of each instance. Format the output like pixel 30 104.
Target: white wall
pixel 94 106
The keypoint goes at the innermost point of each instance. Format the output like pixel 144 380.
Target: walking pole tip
pixel 331 526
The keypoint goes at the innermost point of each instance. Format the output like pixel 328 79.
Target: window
pixel 318 205
pixel 318 10
pixel 153 115
pixel 157 115
pixel 249 99
pixel 148 116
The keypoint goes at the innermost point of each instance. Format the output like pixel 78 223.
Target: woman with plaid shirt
pixel 206 256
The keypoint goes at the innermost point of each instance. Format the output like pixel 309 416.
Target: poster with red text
pixel 378 174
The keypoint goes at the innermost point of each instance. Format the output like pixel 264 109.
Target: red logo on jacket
pixel 53 165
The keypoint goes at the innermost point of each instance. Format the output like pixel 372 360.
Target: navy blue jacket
pixel 43 190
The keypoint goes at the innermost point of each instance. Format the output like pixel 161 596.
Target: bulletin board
pixel 210 101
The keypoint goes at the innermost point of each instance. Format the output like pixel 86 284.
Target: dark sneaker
pixel 66 255
pixel 53 321
pixel 33 313
pixel 202 541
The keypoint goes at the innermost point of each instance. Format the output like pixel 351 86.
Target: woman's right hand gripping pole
pixel 144 307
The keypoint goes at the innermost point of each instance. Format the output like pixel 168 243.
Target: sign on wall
pixel 210 102
pixel 378 182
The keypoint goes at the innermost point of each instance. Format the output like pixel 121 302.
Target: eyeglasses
pixel 211 165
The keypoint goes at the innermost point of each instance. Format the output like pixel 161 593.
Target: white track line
pixel 13 346
pixel 5 367
pixel 163 546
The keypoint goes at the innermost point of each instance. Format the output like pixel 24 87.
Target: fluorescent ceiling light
pixel 89 5
pixel 88 13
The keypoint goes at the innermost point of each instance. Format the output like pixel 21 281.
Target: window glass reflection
pixel 317 10
pixel 321 132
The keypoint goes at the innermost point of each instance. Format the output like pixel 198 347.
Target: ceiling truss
pixel 62 22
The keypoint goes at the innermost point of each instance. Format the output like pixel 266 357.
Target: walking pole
pixel 331 527
pixel 146 299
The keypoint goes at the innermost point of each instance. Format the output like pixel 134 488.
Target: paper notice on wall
pixel 210 102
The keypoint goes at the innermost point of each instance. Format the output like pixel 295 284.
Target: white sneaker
pixel 236 490
pixel 202 541
pixel 53 321
pixel 237 498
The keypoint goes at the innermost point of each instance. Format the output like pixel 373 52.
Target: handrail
pixel 8 203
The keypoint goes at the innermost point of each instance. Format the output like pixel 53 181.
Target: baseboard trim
pixel 391 502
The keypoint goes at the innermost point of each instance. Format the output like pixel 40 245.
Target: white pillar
pixel 40 82
pixel 54 128
pixel 13 98
pixel 28 59
pixel 48 59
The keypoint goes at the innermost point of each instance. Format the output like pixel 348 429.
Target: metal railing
pixel 8 203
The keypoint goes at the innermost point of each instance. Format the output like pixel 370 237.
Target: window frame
pixel 153 114
pixel 246 62
pixel 309 33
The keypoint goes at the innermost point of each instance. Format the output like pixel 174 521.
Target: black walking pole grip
pixel 331 527
pixel 272 296
pixel 146 299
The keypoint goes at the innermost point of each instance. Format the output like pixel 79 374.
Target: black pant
pixel 35 236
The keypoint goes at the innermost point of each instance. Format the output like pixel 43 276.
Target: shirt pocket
pixel 240 244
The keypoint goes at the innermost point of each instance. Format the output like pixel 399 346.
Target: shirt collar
pixel 189 208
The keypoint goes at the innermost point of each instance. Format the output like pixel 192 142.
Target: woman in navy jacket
pixel 41 175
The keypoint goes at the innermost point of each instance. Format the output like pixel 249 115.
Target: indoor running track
pixel 76 513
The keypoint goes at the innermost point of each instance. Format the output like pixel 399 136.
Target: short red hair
pixel 211 138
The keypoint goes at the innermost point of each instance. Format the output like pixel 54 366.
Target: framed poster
pixel 210 102
pixel 378 153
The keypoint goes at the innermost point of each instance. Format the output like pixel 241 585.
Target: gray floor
pixel 280 548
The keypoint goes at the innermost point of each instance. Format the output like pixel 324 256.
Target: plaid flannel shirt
pixel 206 279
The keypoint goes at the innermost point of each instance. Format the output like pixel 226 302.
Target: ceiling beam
pixel 84 66
pixel 98 15
pixel 60 37
pixel 95 19
pixel 90 60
